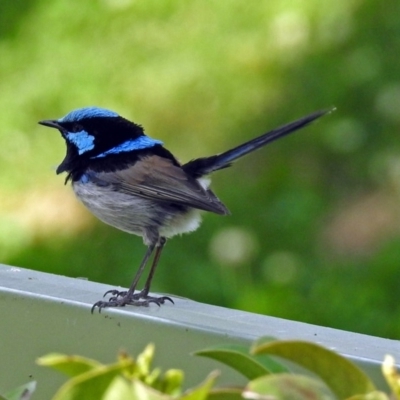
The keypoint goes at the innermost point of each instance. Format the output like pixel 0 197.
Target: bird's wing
pixel 158 179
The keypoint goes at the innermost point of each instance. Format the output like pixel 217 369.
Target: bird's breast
pixel 134 214
pixel 128 213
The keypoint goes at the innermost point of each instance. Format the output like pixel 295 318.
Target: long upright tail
pixel 203 166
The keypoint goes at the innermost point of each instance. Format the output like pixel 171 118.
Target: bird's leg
pixel 144 293
pixel 159 249
pixel 117 293
pixel 121 299
pixel 139 273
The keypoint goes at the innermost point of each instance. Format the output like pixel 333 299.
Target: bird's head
pixel 94 133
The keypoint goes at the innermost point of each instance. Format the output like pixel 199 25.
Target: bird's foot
pixel 121 299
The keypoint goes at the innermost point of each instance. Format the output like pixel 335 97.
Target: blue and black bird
pixel 130 181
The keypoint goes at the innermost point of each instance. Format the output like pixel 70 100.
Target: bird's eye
pixel 76 128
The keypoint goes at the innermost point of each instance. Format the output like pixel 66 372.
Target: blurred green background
pixel 314 233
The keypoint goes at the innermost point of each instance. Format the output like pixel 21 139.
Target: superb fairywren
pixel 133 183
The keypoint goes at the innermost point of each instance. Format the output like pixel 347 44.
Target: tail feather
pixel 203 166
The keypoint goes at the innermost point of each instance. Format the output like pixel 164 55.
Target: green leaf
pixel 140 391
pixel 119 389
pixel 287 387
pixel 144 360
pixel 171 382
pixel 391 375
pixel 343 377
pixel 370 396
pixel 23 392
pixel 68 365
pixel 261 341
pixel 92 384
pixel 230 393
pixel 239 358
pixel 202 391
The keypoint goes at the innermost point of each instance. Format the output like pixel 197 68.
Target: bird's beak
pixel 51 123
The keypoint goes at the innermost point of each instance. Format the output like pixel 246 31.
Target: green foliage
pixel 23 392
pixel 315 218
pixel 239 358
pixel 287 386
pixel 339 378
pixel 325 375
pixel 126 379
pixel 347 379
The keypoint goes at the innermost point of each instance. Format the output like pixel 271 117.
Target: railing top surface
pixel 187 313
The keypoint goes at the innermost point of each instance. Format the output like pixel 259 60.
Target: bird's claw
pixel 121 299
pixel 116 293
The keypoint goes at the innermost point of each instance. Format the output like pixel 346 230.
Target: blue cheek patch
pixel 140 143
pixel 82 140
